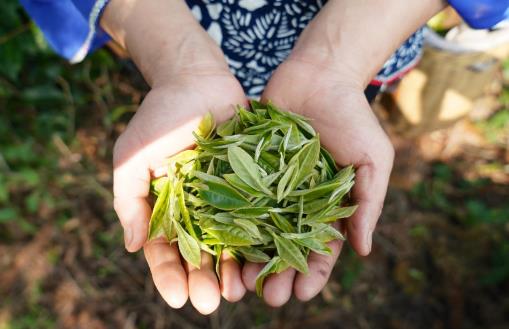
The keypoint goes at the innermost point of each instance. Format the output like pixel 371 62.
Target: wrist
pixel 357 37
pixel 162 37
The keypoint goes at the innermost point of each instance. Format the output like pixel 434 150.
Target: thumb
pixel 369 193
pixel 131 185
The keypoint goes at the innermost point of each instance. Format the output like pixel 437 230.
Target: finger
pixel 320 267
pixel 167 271
pixel 131 181
pixel 277 288
pixel 369 193
pixel 204 290
pixel 231 284
pixel 249 273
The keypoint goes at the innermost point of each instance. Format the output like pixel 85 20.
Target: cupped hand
pixel 340 113
pixel 162 127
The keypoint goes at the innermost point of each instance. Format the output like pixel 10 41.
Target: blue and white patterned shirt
pixel 255 35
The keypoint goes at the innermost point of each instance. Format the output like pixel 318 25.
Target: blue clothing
pixel 70 26
pixel 255 35
pixel 482 14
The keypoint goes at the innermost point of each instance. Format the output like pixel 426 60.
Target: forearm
pixel 161 36
pixel 358 36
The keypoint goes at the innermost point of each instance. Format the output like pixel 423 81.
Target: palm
pixel 349 130
pixel 163 126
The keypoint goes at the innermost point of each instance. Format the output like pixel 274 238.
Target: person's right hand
pixel 189 78
pixel 162 127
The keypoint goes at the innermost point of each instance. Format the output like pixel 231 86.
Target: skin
pixel 323 78
pixel 189 77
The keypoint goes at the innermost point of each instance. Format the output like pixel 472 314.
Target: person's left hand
pixel 340 113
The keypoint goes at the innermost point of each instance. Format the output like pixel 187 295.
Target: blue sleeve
pixel 70 26
pixel 482 14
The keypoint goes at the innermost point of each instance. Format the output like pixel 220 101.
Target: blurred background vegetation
pixel 441 253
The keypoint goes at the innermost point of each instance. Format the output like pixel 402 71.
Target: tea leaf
pixel 308 207
pixel 256 105
pixel 159 212
pixel 281 222
pixel 223 217
pixel 222 196
pixel 284 143
pixel 271 178
pixel 268 161
pixel 339 192
pixel 207 178
pixel 317 191
pixel 252 212
pixel 231 235
pixel 219 251
pixel 188 246
pixel 307 158
pixel 301 212
pixel 331 215
pixel 259 149
pixel 305 235
pixel 248 226
pixel 246 168
pixel 206 126
pixel 270 268
pixel 193 200
pixel 226 128
pixel 239 184
pixel 183 209
pixel 291 254
pixel 254 255
pixel 315 245
pixel 157 185
pixel 285 180
pixel 326 233
pixel 329 162
pixel 206 248
pixel 247 118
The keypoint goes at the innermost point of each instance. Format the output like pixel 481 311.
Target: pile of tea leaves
pixel 258 186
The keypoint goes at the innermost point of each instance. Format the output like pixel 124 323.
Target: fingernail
pixel 369 240
pixel 128 236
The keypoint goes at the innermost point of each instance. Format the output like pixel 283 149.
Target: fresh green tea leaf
pixel 231 235
pixel 314 245
pixel 246 168
pixel 249 227
pixel 188 246
pixel 223 197
pixel 307 159
pixel 254 255
pixel 240 185
pixel 252 212
pixel 291 254
pixel 285 181
pixel 159 212
pixel 268 269
pixel 282 222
